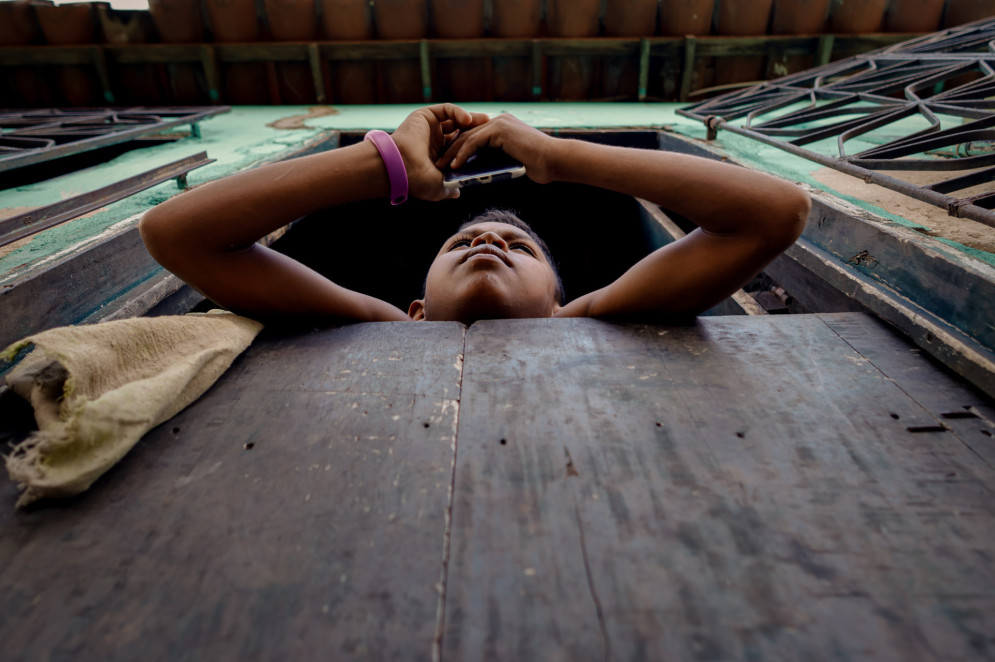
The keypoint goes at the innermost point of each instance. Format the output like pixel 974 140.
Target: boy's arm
pixel 207 235
pixel 745 218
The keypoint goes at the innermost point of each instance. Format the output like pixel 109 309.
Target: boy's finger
pixel 449 111
pixel 467 147
pixel 476 119
pixel 446 156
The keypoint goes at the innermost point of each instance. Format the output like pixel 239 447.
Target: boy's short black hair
pixel 511 218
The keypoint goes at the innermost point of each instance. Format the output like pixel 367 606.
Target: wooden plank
pixel 809 289
pixel 688 70
pixel 538 70
pixel 425 61
pixel 936 335
pixel 371 50
pixel 735 489
pixel 209 62
pixel 953 404
pixel 847 45
pixel 644 68
pixel 919 268
pixel 299 506
pixel 317 76
pixel 154 53
pixel 262 52
pixel 101 273
pixel 716 46
pixel 18 56
pixel 824 51
pixel 99 62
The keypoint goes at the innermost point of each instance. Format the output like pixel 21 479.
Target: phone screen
pixel 484 167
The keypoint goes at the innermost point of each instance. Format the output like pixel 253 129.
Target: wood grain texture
pixel 297 511
pixel 737 489
pixel 965 411
pixel 749 487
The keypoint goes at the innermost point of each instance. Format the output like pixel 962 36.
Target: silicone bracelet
pixel 391 156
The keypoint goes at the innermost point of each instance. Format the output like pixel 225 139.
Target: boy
pixel 496 266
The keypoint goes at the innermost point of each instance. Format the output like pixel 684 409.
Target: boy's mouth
pixel 486 249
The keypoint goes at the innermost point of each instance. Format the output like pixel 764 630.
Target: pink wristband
pixel 391 156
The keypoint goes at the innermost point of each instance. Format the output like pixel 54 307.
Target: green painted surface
pixel 797 169
pixel 546 115
pixel 237 140
pixel 243 138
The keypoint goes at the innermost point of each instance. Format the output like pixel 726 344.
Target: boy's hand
pixel 520 141
pixel 421 138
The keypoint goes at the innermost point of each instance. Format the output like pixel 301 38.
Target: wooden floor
pixel 746 488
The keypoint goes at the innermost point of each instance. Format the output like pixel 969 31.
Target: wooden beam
pixel 273 84
pixel 425 59
pixel 824 51
pixel 209 61
pixel 537 69
pixel 687 72
pixel 314 60
pixel 100 64
pixel 715 46
pixel 644 68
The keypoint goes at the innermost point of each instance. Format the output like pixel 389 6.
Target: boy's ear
pixel 416 310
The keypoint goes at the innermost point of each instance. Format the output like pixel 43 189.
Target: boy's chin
pixel 478 309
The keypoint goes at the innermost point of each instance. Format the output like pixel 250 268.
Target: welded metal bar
pixel 964 181
pixel 951 204
pixel 884 87
pixel 103 140
pixel 42 218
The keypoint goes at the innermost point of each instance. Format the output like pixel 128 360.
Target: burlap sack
pixel 96 389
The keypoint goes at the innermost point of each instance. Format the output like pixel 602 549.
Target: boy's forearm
pixel 719 197
pixel 232 213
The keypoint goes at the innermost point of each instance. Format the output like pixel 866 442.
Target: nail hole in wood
pixel 659 424
pixel 249 446
pixel 986 433
pixel 959 414
pixel 504 442
pixel 740 434
pixel 926 428
pixel 929 337
pixel 176 430
pixel 425 424
pixel 895 416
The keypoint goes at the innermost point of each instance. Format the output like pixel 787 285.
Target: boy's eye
pixel 459 243
pixel 523 247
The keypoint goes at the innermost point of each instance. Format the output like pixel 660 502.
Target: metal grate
pixel 927 104
pixel 31 137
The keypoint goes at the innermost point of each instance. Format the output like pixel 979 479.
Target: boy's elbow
pixel 157 235
pixel 792 216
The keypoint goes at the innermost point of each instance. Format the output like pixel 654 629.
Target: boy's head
pixel 496 266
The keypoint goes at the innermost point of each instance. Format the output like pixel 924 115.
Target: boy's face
pixel 488 271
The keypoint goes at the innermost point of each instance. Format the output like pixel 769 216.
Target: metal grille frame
pixel 35 136
pixel 951 72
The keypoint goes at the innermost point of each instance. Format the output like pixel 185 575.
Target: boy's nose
pixel 491 238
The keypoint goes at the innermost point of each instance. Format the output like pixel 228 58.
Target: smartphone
pixel 484 167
